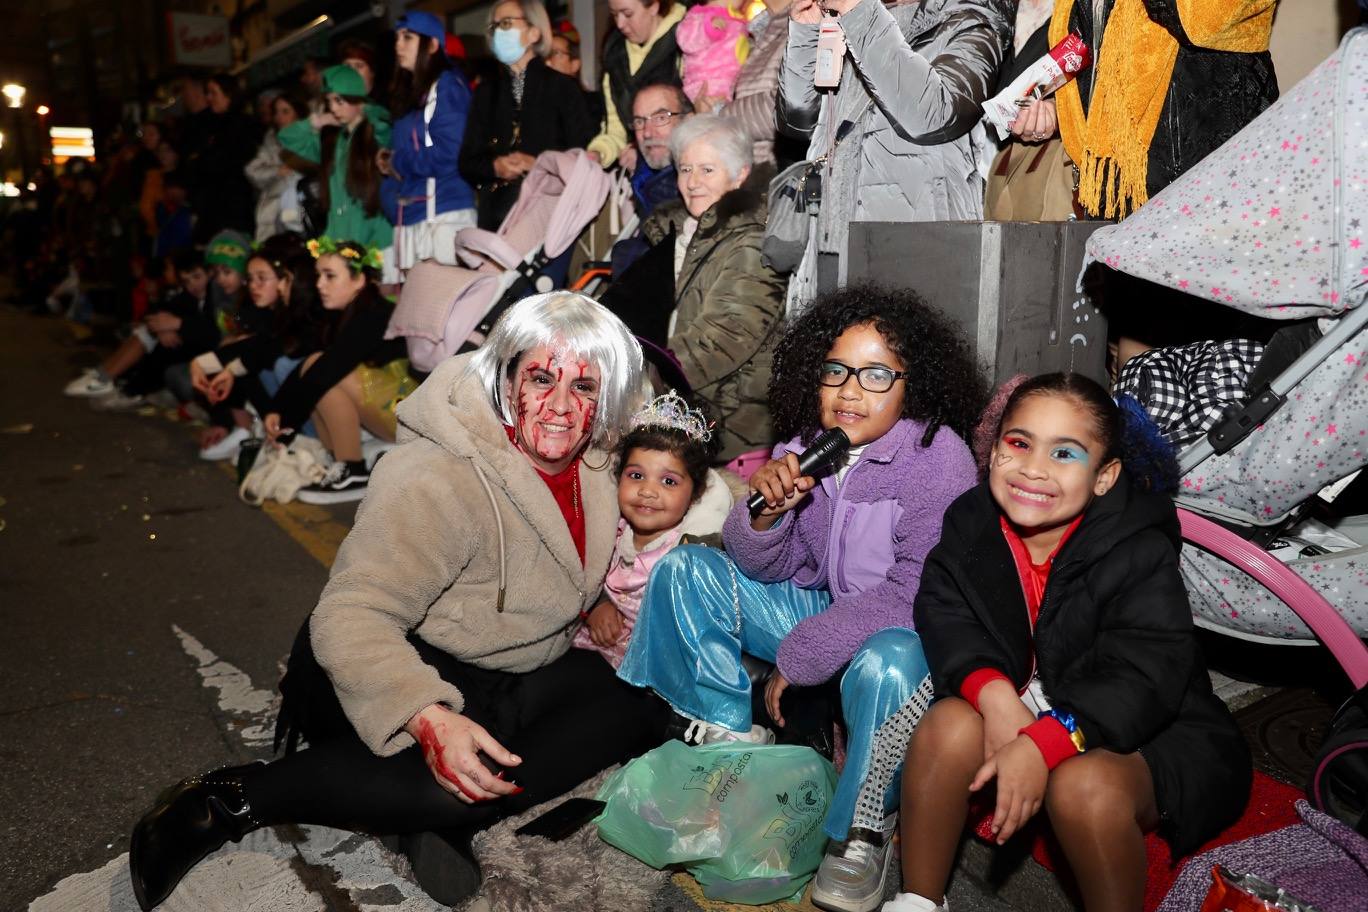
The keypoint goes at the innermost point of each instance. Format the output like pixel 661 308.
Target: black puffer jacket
pixel 1211 96
pixel 1114 645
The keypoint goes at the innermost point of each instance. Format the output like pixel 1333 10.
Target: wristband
pixel 1070 724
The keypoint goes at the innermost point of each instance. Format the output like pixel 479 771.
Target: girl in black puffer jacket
pixel 1061 648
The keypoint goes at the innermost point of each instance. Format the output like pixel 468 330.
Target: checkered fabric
pixel 1186 388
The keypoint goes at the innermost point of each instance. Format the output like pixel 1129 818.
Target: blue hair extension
pixel 1149 458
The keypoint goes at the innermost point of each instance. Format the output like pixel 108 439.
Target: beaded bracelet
pixel 1070 724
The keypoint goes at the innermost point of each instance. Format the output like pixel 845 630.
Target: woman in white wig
pixel 434 680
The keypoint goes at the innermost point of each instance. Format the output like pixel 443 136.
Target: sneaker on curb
pixel 340 485
pixel 853 873
pixel 373 449
pixel 117 401
pixel 700 732
pixel 163 399
pixel 227 448
pixel 88 386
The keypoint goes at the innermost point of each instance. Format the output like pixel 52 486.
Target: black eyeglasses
pixel 871 379
pixel 505 22
pixel 660 118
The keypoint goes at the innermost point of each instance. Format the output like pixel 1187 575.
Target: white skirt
pixel 431 239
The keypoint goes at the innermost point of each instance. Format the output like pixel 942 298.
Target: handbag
pixel 795 196
pixel 1032 183
pixel 280 471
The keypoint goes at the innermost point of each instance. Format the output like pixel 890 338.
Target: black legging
pixel 567 721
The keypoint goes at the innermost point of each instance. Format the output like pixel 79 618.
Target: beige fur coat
pixel 460 542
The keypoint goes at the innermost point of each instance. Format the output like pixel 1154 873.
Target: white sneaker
pixel 116 400
pixel 852 875
pixel 700 732
pixel 227 448
pixel 373 449
pixel 912 902
pixel 88 386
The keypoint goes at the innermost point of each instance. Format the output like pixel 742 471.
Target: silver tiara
pixel 671 411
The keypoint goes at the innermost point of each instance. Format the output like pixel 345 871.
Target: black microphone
pixel 829 447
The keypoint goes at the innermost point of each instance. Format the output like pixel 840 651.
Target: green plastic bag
pixel 744 819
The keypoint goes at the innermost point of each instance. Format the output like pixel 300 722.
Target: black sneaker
pixel 344 482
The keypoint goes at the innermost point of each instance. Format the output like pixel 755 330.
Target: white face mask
pixel 507 45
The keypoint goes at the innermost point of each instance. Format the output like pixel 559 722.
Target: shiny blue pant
pixel 700 613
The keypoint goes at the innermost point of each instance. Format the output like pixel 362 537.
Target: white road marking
pixel 254 708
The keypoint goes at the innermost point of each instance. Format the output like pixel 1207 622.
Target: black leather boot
pixel 189 821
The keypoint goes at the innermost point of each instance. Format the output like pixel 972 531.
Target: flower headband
pixel 671 411
pixel 356 257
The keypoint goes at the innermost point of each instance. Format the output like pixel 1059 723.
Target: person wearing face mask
pixel 640 52
pixel 524 109
pixel 345 141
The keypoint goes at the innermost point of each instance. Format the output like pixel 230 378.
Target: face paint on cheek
pixel 1002 458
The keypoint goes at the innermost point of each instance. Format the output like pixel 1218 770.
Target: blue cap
pixel 421 23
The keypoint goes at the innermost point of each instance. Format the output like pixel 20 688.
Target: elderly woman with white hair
pixel 434 681
pixel 705 258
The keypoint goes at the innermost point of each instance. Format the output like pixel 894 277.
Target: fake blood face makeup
pixel 557 397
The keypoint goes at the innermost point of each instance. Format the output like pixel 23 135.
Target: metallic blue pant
pixel 700 613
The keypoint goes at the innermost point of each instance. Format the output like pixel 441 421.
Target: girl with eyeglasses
pixel 821 582
pixel 523 109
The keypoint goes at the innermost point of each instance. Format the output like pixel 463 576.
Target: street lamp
pixel 43 110
pixel 14 94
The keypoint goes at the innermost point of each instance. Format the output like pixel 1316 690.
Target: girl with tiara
pixel 665 492
pixel 1066 672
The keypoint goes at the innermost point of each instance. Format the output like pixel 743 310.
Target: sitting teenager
pixel 1066 672
pixel 280 328
pixel 434 681
pixel 821 581
pixel 354 381
pixel 172 333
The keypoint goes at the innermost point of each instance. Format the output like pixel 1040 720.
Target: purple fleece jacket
pixel 886 516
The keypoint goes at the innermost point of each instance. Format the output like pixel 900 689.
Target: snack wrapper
pixel 1064 61
pixel 1231 892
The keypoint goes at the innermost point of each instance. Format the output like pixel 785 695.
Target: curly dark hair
pixel 696 455
pixel 944 387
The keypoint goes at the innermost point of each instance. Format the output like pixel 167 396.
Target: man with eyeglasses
pixel 656 111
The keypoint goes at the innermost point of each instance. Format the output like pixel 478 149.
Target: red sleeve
pixel 1050 735
pixel 973 685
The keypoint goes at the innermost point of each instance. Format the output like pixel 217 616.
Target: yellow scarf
pixel 1110 144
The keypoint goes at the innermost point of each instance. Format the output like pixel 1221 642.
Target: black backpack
pixel 1339 779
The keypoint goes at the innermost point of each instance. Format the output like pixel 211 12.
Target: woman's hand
pixel 512 166
pixel 774 689
pixel 220 387
pixel 199 380
pixel 808 12
pixel 839 7
pixel 382 162
pixel 1004 715
pixel 1037 121
pixel 627 158
pixel 320 119
pixel 1021 776
pixel 271 425
pixel 451 745
pixel 707 104
pixel 783 487
pixel 605 624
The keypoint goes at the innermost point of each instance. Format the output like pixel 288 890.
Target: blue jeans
pixel 700 613
pixel 273 378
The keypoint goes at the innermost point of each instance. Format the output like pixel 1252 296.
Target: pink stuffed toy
pixel 715 43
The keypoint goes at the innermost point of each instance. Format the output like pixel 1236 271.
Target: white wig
pixel 580 327
pixel 727 138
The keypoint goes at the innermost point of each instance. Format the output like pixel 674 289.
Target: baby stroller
pixel 1275 224
pixel 444 310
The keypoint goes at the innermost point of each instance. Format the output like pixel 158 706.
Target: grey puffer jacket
pixel 929 65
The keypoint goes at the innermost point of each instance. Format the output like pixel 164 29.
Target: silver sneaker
pixel 853 873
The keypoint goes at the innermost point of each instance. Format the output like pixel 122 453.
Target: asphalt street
pixel 129 574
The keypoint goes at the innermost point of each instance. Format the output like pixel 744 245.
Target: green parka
pixel 728 310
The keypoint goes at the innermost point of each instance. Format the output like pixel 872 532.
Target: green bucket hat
pixel 229 248
pixel 343 80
